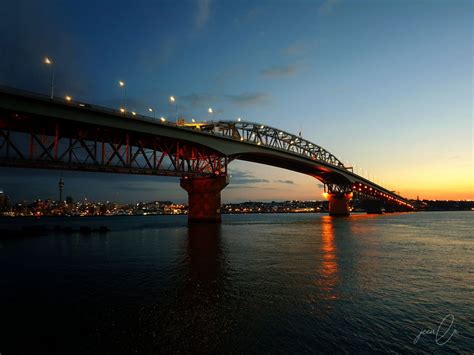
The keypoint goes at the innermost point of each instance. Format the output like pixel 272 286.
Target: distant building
pixel 4 202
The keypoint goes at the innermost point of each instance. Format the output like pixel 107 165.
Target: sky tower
pixel 61 186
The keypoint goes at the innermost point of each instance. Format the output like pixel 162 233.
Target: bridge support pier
pixel 339 204
pixel 204 198
pixel 374 206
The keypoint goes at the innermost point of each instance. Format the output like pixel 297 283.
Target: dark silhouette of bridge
pixel 39 132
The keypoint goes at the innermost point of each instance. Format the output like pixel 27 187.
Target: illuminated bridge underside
pixel 38 132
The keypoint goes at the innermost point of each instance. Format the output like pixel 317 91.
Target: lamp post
pixel 210 111
pixel 124 87
pixel 150 109
pixel 49 62
pixel 175 103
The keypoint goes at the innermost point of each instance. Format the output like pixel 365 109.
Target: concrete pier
pixel 204 198
pixel 339 204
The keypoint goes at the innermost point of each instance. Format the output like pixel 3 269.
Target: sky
pixel 386 86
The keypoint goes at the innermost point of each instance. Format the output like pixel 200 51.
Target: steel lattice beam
pixel 48 143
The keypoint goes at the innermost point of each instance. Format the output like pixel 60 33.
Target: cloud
pixel 239 177
pixel 295 48
pixel 202 13
pixel 291 182
pixel 327 7
pixel 200 100
pixel 279 71
pixel 249 98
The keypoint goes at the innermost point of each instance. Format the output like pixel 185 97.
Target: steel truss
pixel 60 144
pixel 271 137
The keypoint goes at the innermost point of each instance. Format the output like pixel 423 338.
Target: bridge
pixel 39 132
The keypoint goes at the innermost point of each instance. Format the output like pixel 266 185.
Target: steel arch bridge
pixel 38 132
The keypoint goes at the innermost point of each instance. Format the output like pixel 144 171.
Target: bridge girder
pixel 27 141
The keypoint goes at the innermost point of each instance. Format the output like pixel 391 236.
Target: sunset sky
pixel 386 86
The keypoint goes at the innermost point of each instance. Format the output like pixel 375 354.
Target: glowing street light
pixel 238 119
pixel 134 113
pixel 122 85
pixel 68 98
pixel 162 119
pixel 150 109
pixel 174 102
pixel 210 110
pixel 193 120
pixel 48 61
pixel 122 110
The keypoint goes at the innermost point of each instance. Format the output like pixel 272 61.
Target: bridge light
pixel 172 99
pixel 122 83
pixel 150 109
pixel 68 98
pixel 259 143
pixel 238 119
pixel 134 113
pixel 193 120
pixel 122 110
pixel 325 195
pixel 210 110
pixel 47 61
pixel 241 138
pixel 162 119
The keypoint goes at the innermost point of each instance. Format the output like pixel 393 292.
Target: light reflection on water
pixel 329 269
pixel 255 283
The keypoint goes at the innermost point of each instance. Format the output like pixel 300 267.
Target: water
pixel 271 283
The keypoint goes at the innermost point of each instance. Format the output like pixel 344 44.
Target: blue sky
pixel 384 85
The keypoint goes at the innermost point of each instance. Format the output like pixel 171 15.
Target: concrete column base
pixel 339 204
pixel 204 198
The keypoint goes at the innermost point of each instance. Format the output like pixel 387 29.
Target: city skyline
pixel 400 108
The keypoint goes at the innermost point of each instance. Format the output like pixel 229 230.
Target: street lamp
pixel 152 110
pixel 175 103
pixel 68 98
pixel 48 61
pixel 122 85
